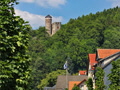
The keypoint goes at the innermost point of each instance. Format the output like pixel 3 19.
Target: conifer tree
pixel 114 76
pixel 100 79
pixel 90 84
pixel 14 63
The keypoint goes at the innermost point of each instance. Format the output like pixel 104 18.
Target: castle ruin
pixel 51 28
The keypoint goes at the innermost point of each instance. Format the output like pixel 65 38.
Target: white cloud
pixel 115 3
pixel 28 1
pixel 35 20
pixel 46 3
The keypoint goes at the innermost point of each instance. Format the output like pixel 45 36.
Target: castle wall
pixel 55 27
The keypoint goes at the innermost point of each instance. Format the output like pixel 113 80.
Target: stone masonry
pixel 51 28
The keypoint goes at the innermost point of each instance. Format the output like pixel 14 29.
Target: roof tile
pixel 72 83
pixel 103 53
pixel 82 72
pixel 63 81
pixel 92 60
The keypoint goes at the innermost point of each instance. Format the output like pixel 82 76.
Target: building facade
pixel 104 59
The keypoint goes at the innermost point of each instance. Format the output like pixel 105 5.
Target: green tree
pixel 39 70
pixel 100 79
pixel 14 62
pixel 76 87
pixel 114 76
pixel 112 36
pixel 69 65
pixel 90 84
pixel 51 79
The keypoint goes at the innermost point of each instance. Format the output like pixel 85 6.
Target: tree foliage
pixel 51 79
pixel 76 87
pixel 99 82
pixel 111 36
pixel 90 84
pixel 14 62
pixel 114 76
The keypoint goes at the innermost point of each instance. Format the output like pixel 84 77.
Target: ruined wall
pixel 55 27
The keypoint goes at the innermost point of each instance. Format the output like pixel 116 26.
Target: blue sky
pixel 35 11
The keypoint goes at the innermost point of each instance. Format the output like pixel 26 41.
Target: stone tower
pixel 48 24
pixel 51 28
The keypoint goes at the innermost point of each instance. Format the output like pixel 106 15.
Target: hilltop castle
pixel 51 28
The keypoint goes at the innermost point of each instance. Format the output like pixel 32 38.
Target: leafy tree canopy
pixel 14 62
pixel 51 79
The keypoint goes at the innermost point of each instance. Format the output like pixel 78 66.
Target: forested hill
pixel 76 39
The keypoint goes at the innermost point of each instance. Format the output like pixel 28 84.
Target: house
pixel 68 81
pixel 104 59
pixel 81 84
pixel 84 72
pixel 91 68
pixel 92 62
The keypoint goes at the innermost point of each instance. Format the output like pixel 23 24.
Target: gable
pixel 78 83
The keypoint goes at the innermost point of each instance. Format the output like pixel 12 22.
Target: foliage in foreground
pixel 14 63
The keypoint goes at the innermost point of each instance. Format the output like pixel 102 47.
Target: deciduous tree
pixel 50 79
pixel 14 63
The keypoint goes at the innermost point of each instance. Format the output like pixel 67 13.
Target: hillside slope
pixel 76 39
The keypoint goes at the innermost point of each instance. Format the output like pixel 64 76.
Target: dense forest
pixel 75 40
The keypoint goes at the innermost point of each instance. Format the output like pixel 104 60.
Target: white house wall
pixel 83 86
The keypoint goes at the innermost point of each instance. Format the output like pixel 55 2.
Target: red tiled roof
pixel 72 83
pixel 103 53
pixel 92 60
pixel 82 72
pixel 62 81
